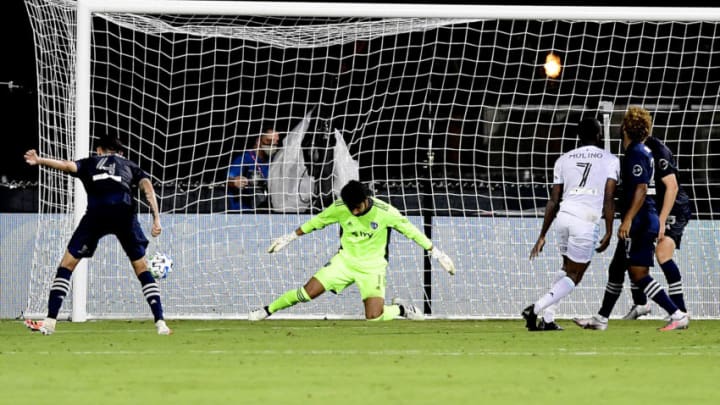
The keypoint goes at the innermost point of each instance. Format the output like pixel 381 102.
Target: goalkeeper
pixel 365 223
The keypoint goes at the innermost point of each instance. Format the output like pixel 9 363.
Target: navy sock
pixel 654 291
pixel 638 296
pixel 58 291
pixel 151 291
pixel 612 293
pixel 616 277
pixel 674 280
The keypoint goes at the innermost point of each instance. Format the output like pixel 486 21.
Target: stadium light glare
pixel 552 66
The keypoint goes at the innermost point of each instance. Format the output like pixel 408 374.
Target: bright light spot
pixel 552 65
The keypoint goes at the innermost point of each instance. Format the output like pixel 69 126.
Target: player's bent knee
pixel 664 250
pixel 313 288
pixel 369 316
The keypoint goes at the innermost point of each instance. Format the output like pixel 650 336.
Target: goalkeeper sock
pixel 151 291
pixel 58 291
pixel 289 299
pixel 390 312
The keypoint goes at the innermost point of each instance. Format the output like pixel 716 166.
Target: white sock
pixel 600 318
pixel 559 290
pixel 559 276
pixel 549 314
pixel 677 315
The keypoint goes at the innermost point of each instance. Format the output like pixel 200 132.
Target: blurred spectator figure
pixel 248 173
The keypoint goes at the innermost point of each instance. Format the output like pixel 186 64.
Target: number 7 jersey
pixel 583 173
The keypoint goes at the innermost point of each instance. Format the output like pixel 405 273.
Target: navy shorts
pixel 122 223
pixel 640 246
pixel 674 228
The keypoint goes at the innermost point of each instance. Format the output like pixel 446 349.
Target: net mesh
pixel 453 121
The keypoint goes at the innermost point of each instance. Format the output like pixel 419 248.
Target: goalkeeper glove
pixel 445 260
pixel 281 242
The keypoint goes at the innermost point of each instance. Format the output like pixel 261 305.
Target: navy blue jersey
pixel 109 180
pixel 638 168
pixel 664 166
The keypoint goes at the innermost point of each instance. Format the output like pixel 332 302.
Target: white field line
pixel 333 352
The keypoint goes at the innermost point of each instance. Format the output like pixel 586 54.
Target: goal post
pixel 444 109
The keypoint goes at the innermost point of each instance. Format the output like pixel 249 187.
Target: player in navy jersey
pixel 109 180
pixel 674 214
pixel 639 227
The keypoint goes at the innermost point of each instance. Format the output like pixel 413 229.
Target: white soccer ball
pixel 160 265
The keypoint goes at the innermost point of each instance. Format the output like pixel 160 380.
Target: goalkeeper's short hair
pixel 353 193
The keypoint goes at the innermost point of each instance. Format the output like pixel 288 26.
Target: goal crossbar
pixel 388 10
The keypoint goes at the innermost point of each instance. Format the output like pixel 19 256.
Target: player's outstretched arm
pixel 445 260
pixel 32 158
pixel 149 191
pixel 280 243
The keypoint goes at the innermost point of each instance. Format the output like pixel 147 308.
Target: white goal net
pixel 452 120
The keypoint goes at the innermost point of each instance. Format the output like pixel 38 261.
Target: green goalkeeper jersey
pixel 364 239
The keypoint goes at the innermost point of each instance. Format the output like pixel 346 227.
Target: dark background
pixel 19 116
pixel 18 107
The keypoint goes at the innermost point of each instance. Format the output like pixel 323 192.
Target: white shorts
pixel 577 238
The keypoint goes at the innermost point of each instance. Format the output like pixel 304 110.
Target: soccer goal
pixel 454 114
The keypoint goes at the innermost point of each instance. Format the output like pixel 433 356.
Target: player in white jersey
pixel 584 182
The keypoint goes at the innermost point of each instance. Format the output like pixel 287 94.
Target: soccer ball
pixel 160 265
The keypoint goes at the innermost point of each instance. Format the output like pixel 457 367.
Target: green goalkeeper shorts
pixel 338 274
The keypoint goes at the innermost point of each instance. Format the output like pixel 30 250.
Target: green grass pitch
pixel 356 362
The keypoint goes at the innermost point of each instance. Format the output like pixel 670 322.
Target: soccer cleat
pixel 549 326
pixel 46 327
pixel 677 324
pixel 596 322
pixel 34 326
pixel 530 318
pixel 162 328
pixel 258 314
pixel 637 311
pixel 411 311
